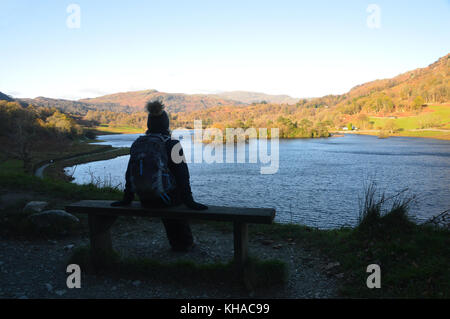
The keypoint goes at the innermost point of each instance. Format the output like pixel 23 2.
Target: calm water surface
pixel 319 181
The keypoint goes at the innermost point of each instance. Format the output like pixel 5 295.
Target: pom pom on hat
pixel 154 108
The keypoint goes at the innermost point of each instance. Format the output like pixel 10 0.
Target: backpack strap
pixel 164 138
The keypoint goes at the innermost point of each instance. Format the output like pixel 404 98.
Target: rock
pixel 34 207
pixel 49 287
pixel 69 247
pixel 58 219
pixel 341 275
pixel 136 283
pixel 23 297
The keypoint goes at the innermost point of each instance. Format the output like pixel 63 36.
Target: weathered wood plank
pixel 216 213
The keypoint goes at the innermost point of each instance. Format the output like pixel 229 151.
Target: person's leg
pixel 179 234
pixel 178 231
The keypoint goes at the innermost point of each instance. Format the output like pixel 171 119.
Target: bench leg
pixel 240 246
pixel 100 235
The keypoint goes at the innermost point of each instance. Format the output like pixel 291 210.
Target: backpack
pixel 149 172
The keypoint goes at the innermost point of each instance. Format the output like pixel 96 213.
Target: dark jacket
pixel 182 193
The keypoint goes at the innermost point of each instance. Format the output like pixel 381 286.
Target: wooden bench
pixel 101 216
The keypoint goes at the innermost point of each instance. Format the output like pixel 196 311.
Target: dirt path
pixel 40 170
pixel 36 269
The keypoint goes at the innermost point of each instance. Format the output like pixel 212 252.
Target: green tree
pixel 390 126
pixel 418 102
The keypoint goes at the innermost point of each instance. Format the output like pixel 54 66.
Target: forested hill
pixel 5 97
pixel 256 97
pixel 405 92
pixel 74 107
pixel 175 102
pixel 402 96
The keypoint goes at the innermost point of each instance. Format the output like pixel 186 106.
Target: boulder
pixel 55 219
pixel 34 207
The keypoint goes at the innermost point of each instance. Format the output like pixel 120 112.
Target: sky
pixel 88 48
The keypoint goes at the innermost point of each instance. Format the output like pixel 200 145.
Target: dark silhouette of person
pixel 178 231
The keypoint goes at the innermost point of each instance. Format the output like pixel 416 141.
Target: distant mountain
pixel 175 102
pixel 131 102
pixel 430 85
pixel 255 97
pixel 74 107
pixel 6 97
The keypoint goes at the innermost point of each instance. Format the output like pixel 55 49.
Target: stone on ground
pixel 34 207
pixel 58 219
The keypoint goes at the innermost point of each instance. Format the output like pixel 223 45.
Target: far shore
pixel 440 134
pixel 431 133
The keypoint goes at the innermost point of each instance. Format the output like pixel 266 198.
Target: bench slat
pixel 216 213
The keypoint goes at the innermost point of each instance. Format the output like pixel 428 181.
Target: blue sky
pixel 300 48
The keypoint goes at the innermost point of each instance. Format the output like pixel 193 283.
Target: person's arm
pixel 128 195
pixel 181 173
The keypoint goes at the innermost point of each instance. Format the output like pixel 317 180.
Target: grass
pixel 107 129
pixel 425 122
pixel 264 273
pixel 13 177
pixel 77 148
pixel 414 259
pixel 427 134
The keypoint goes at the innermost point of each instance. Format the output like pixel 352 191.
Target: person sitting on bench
pixel 157 179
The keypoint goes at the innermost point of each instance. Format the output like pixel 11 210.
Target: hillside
pixel 175 102
pixel 5 97
pixel 403 93
pixel 179 102
pixel 256 97
pixel 415 103
pixel 74 107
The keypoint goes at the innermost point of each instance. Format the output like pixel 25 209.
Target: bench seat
pixel 102 215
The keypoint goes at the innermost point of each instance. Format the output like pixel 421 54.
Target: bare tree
pixel 22 140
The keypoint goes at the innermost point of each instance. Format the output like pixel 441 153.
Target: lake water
pixel 319 181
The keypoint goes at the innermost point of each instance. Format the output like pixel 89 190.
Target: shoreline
pixel 435 134
pixel 56 169
pixel 444 137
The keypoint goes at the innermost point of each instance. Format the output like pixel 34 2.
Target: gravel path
pixel 36 269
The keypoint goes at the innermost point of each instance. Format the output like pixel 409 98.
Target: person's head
pixel 158 120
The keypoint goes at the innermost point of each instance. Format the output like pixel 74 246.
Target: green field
pixel 439 118
pixel 118 129
pixel 427 124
